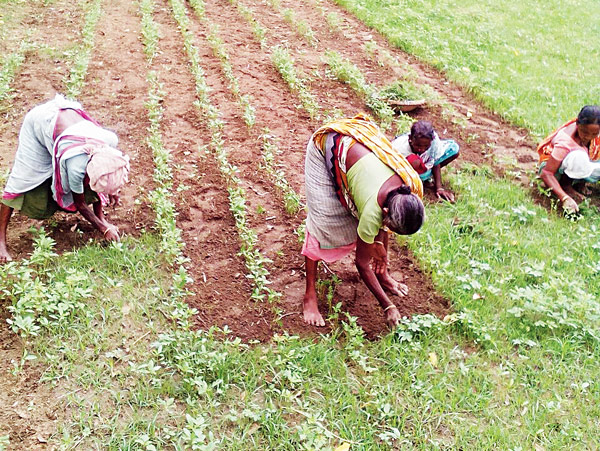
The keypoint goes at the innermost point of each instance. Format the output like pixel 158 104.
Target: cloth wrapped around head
pixel 108 169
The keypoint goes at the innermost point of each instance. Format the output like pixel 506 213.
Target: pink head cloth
pixel 108 169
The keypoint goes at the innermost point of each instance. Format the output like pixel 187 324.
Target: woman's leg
pixel 310 307
pixel 5 214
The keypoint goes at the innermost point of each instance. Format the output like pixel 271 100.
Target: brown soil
pixel 114 94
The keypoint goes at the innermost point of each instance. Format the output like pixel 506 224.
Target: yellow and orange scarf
pixel 365 131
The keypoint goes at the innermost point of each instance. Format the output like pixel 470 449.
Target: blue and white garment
pixel 439 151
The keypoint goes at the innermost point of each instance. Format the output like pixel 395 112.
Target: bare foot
pixel 312 316
pixel 391 285
pixel 575 195
pixel 392 318
pixel 4 255
pixel 583 189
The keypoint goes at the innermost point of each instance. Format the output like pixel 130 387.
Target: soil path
pixel 114 94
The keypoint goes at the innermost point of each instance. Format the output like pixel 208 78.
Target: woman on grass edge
pixel 357 189
pixel 569 157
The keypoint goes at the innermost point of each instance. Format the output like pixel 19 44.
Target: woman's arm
pixel 547 175
pixel 364 254
pixel 108 230
pixel 440 192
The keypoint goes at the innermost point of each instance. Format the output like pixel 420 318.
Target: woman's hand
pixel 443 194
pixel 111 233
pixel 379 260
pixel 392 317
pixel 569 204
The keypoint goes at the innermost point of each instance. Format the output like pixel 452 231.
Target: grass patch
pixel 535 71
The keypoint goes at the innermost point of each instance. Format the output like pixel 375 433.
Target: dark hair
pixel 406 211
pixel 422 129
pixel 589 114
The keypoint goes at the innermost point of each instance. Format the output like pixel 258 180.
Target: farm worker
pixel 427 154
pixel 569 157
pixel 357 189
pixel 64 160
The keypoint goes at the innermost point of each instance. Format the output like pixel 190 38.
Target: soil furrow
pixel 286 270
pixel 222 292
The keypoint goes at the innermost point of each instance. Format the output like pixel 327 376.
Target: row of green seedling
pixel 10 65
pixel 174 348
pixel 188 436
pixel 344 70
pixel 302 27
pixel 244 100
pixel 260 32
pixel 162 197
pixel 290 197
pixel 409 80
pixel 219 50
pixel 285 65
pixel 384 58
pixel 254 259
pixel 82 54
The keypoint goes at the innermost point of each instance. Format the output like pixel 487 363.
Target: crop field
pixel 188 334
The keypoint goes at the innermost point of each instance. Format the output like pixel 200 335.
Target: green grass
pixel 529 61
pixel 487 376
pixel 496 254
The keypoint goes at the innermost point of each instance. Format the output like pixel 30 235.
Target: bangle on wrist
pixel 562 199
pixel 389 307
pixel 379 242
pixel 105 231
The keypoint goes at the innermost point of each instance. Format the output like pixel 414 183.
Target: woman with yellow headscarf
pixel 357 190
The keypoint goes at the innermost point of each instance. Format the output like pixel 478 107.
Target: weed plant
pixel 509 262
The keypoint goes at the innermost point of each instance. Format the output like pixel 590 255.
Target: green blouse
pixel 365 178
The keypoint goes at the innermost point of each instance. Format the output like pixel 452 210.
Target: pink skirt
pixel 312 249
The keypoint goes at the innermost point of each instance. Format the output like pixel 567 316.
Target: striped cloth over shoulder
pixel 366 132
pixel 546 147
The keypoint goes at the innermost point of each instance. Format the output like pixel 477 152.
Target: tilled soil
pixel 114 94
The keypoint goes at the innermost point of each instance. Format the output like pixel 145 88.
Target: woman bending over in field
pixel 66 161
pixel 569 157
pixel 357 189
pixel 428 154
